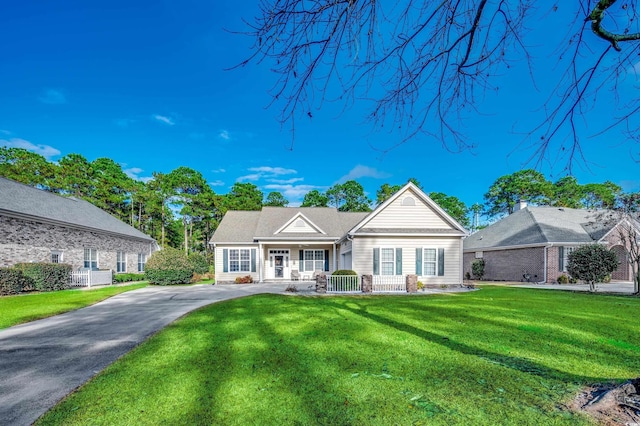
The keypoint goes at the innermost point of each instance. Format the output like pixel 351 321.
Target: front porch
pixel 295 262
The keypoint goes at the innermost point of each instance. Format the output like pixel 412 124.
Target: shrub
pixel 247 279
pixel 291 288
pixel 563 279
pixel 467 275
pixel 127 277
pixel 591 263
pixel 477 269
pixel 344 272
pixel 13 281
pixel 198 263
pixel 420 285
pixel 47 276
pixel 168 266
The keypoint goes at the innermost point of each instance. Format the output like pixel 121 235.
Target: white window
pixel 56 257
pixel 429 261
pixel 91 258
pixel 314 260
pixel 387 261
pixel 121 262
pixel 565 257
pixel 239 260
pixel 142 261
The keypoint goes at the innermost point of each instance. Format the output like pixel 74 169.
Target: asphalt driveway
pixel 43 361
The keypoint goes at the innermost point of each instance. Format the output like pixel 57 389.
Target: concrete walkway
pixel 43 361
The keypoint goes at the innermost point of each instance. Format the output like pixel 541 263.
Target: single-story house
pixel 39 226
pixel 533 243
pixel 407 234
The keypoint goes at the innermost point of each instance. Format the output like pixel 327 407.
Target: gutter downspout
pixel 546 253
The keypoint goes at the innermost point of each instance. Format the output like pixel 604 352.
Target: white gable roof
pixel 409 211
pixel 299 223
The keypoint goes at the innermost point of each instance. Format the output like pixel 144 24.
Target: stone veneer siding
pixel 509 265
pixel 30 241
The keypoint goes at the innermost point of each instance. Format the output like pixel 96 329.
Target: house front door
pixel 279 266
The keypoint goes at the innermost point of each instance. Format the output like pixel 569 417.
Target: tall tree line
pixel 180 209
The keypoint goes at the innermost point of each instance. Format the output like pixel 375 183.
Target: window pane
pixel 319 265
pixel 308 265
pixel 387 254
pixel 308 255
pixel 429 255
pixel 319 254
pixel 430 268
pixel 387 268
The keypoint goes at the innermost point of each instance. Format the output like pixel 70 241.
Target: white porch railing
pixel 389 284
pixel 344 284
pixel 90 278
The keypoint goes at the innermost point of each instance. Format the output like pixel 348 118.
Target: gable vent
pixel 409 201
pixel 300 223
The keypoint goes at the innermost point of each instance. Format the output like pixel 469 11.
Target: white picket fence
pixel 344 284
pixel 88 278
pixel 389 284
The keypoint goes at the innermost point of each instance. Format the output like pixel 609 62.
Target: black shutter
pixel 398 261
pixel 225 260
pixel 560 259
pixel 441 262
pixel 326 260
pixel 253 260
pixel 418 261
pixel 301 260
pixel 376 261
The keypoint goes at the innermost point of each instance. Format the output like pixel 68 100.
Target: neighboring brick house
pixel 533 243
pixel 39 226
pixel 407 234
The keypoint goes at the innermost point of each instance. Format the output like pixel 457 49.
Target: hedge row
pixel 128 277
pixel 13 281
pixel 47 276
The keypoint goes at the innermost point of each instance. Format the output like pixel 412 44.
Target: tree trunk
pixel 186 235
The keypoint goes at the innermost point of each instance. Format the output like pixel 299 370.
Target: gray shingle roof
pixel 19 200
pixel 541 225
pixel 247 226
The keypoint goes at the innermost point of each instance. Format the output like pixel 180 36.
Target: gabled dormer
pixel 299 224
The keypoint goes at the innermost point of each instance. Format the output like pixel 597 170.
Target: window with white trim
pixel 429 261
pixel 239 260
pixel 56 257
pixel 314 260
pixel 121 262
pixel 387 261
pixel 142 261
pixel 91 258
pixel 565 257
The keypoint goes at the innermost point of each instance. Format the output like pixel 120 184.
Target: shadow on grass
pixel 515 363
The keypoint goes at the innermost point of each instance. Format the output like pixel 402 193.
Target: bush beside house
pixel 47 276
pixel 168 266
pixel 13 281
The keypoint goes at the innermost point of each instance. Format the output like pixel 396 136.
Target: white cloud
pixel 53 97
pixel 216 183
pixel 224 135
pixel 286 181
pixel 45 150
pixel 276 171
pixel 293 193
pixel 5 132
pixel 164 119
pixel 255 176
pixel 134 173
pixel 361 171
pixel 218 171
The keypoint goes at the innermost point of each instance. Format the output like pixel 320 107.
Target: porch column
pixel 335 257
pixel 260 262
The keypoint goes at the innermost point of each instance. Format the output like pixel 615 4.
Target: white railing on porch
pixel 90 278
pixel 389 284
pixel 344 284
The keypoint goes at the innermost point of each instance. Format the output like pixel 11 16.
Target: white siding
pixel 300 225
pixel 363 256
pixel 416 216
pixel 222 276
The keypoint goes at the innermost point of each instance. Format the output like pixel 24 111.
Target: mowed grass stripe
pixel 495 356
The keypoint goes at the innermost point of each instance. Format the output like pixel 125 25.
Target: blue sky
pixel 144 83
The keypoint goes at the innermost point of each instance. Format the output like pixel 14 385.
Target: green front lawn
pixel 29 307
pixel 495 356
